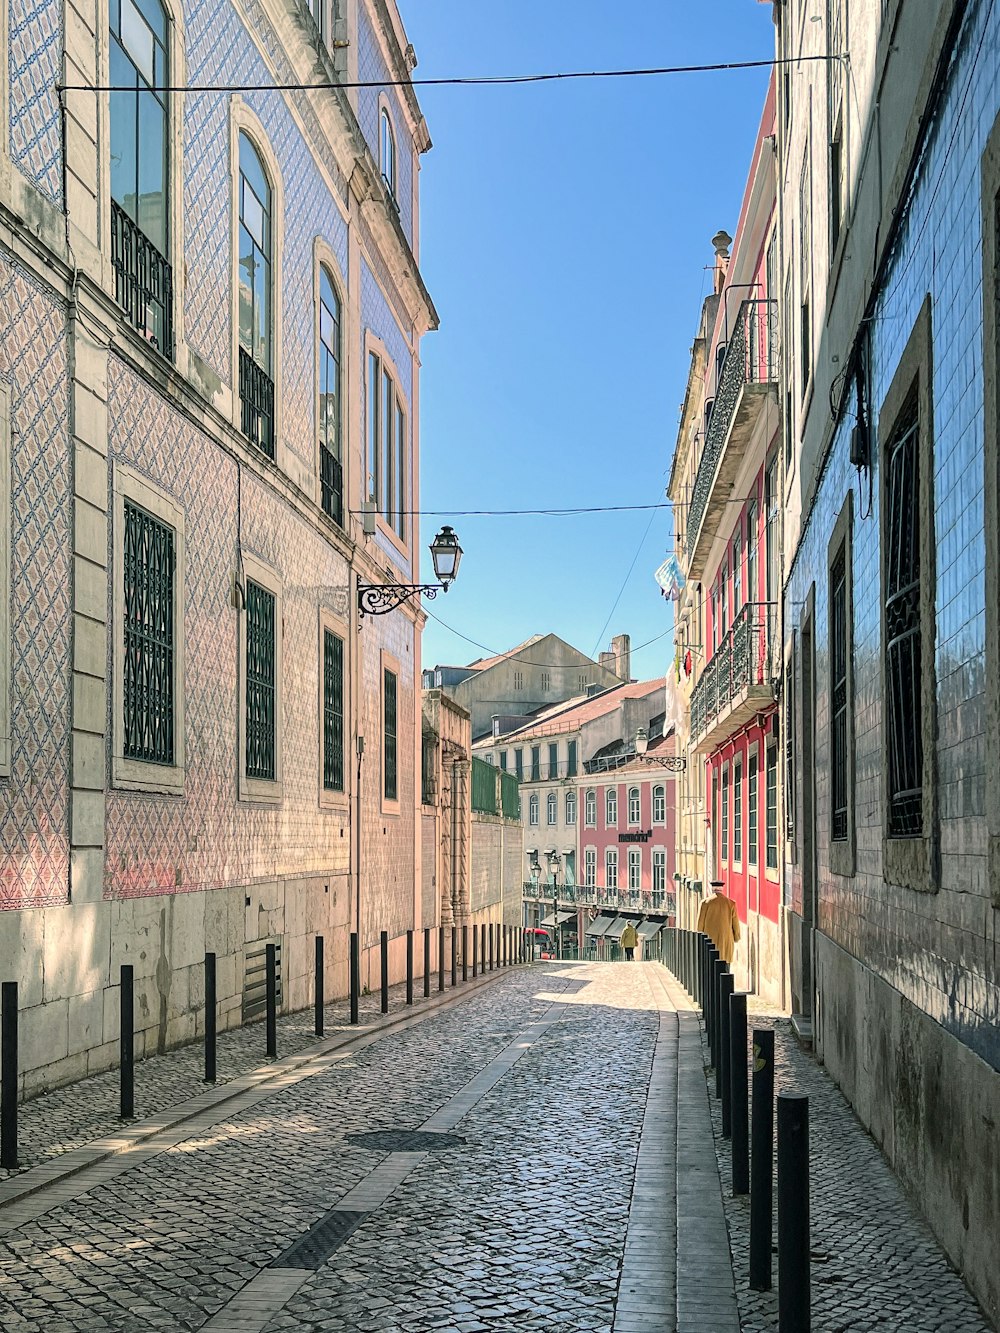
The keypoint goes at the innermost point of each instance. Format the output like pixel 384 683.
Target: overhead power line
pixel 495 80
pixel 509 513
pixel 520 661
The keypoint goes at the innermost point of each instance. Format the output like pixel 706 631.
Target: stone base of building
pixel 757 962
pixel 929 1102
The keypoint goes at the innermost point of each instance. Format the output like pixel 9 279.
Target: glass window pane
pixel 326 327
pixel 262 314
pixel 327 295
pixel 137 39
pixel 252 215
pixel 388 416
pixel 400 472
pixel 374 368
pixel 246 280
pixel 124 155
pixel 152 175
pixel 251 167
pixel 155 16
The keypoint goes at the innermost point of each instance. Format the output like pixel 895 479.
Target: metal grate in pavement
pixel 314 1248
pixel 405 1140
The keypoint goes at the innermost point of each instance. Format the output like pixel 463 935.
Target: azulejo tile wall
pixel 936 949
pixel 373 69
pixel 35 40
pixel 34 805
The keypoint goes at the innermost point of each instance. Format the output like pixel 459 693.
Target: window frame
pixel 753 809
pixel 634 806
pixel 771 805
pixel 138 774
pixel 658 862
pixel 724 814
pixel 611 857
pixel 533 810
pixel 553 766
pixel 843 851
pixel 390 805
pixel 267 791
pixel 390 179
pixel 570 808
pixel 660 798
pixel 611 807
pixel 634 862
pixel 400 449
pixel 738 811
pixel 551 809
pixel 536 763
pixel 590 867
pixel 331 798
pixel 590 803
pixel 324 258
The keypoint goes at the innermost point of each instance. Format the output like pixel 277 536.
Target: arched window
pixel 633 805
pixel 611 806
pixel 533 808
pixel 551 808
pixel 256 292
pixel 331 469
pixel 139 169
pixel 387 152
pixel 571 807
pixel 659 805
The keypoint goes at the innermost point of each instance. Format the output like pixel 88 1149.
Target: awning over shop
pixel 563 916
pixel 647 929
pixel 600 925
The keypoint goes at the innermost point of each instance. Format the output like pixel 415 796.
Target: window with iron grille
pixel 260 682
pixel 771 808
pixel 752 808
pixel 554 760
pixel 659 804
pixel 390 787
pixel 738 810
pixel 551 808
pixel 838 696
pixel 633 806
pixel 536 763
pixel 634 868
pixel 903 627
pixel 331 468
pixel 255 299
pixel 333 711
pixel 148 656
pixel 590 809
pixel 725 813
pixel 611 806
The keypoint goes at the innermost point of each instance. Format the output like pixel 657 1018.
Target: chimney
pixel 621 648
pixel 721 242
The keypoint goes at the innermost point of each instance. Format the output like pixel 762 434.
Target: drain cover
pixel 314 1248
pixel 405 1140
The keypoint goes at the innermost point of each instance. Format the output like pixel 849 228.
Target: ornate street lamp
pixel 375 599
pixel 676 763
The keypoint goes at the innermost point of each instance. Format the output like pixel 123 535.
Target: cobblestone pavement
pixel 876 1265
pixel 521 1225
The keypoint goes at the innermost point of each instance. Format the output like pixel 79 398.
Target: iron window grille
pixel 838 697
pixel 331 469
pixel 255 299
pixel 256 404
pixel 143 282
pixel 333 712
pixel 260 682
pixel 390 776
pixel 148 666
pixel 903 628
pixel 771 808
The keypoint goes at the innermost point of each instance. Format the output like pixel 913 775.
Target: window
pixel 533 809
pixel 387 448
pixel 390 706
pixel 771 809
pixel 139 169
pixel 659 871
pixel 791 776
pixel 772 538
pixel 590 867
pixel 583 684
pixel 633 806
pixel 536 763
pixel 590 808
pixel 571 759
pixel 836 186
pixel 571 807
pixel 503 761
pixel 634 868
pixel 737 574
pixel 331 469
pixel 805 273
pixel 489 759
pixel 255 297
pixel 738 811
pixel 753 765
pixel 725 813
pixel 554 760
pixel 716 822
pixel 316 8
pixel 611 806
pixel 611 868
pixel 518 680
pixel 545 681
pixel 753 592
pixel 261 682
pixel 551 809
pixel 659 804
pixel 724 602
pixel 387 152
pixel 838 697
pixel 519 764
pixel 333 711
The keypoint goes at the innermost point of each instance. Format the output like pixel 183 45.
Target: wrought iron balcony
pixel 331 481
pixel 257 399
pixel 529 889
pixel 747 381
pixel 143 282
pixel 736 682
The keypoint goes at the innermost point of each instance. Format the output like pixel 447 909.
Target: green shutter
pixel 260 682
pixel 333 712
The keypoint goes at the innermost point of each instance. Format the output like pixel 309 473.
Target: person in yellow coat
pixel 719 921
pixel 629 940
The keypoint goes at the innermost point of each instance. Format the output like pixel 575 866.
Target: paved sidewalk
pixel 876 1265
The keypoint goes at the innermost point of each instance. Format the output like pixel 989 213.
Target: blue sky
pixel 565 230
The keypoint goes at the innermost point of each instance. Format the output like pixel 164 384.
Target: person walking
pixel 718 919
pixel 629 939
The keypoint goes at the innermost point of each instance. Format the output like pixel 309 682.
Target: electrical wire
pixel 495 80
pixel 515 513
pixel 548 666
pixel 628 575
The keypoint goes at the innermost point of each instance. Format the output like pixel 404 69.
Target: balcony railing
pixel 737 672
pixel 257 399
pixel 143 282
pixel 331 481
pixel 751 358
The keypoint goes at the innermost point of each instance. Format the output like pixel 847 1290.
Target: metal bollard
pixel 465 952
pixel 712 957
pixel 703 943
pixel 719 970
pixel 383 949
pixel 761 1170
pixel 355 981
pixel 503 945
pixel 728 982
pixel 271 1014
pixel 482 946
pixel 427 961
pixel 440 958
pixel 319 999
pixel 475 951
pixel 210 1017
pixel 491 945
pixel 8 1075
pixel 454 956
pixel 738 1092
pixel 793 1213
pixel 409 967
pixel 126 1044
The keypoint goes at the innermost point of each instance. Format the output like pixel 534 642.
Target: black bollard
pixel 271 1019
pixel 728 981
pixel 712 955
pixel 793 1213
pixel 475 950
pixel 465 952
pixel 492 940
pixel 482 946
pixel 355 981
pixel 319 999
pixel 703 942
pixel 761 1170
pixel 8 1075
pixel 210 1017
pixel 738 1092
pixel 383 949
pixel 718 972
pixel 126 1043
pixel 409 967
pixel 427 961
pixel 440 958
pixel 454 956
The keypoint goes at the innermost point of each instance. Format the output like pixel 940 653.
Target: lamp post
pixel 375 599
pixel 536 871
pixel 554 871
pixel 676 763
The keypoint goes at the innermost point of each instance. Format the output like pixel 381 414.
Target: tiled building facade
pixel 241 407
